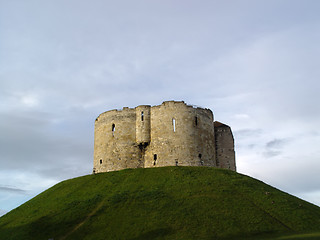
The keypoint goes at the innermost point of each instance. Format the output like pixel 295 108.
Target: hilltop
pixel 162 203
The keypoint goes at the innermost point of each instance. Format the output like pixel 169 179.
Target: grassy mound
pixel 162 203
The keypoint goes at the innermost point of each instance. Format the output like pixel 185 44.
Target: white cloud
pixel 241 116
pixel 30 101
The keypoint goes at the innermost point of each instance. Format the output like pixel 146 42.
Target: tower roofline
pixel 220 124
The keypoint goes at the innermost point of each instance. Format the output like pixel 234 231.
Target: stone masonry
pixel 170 134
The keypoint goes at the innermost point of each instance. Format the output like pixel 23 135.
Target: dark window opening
pixel 176 162
pixel 201 161
pixel 142 116
pixel 113 129
pixel 154 159
pixel 100 161
pixel 196 121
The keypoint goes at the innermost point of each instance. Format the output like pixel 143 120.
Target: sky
pixel 254 63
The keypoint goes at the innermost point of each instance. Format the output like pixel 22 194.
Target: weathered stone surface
pixel 170 134
pixel 225 155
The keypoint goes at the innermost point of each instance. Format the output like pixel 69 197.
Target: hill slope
pixel 160 203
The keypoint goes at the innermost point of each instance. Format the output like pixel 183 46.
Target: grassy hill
pixel 162 203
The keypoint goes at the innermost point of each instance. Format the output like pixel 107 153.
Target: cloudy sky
pixel 255 63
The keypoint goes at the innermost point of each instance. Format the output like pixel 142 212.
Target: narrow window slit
pixel 196 121
pixel 142 116
pixel 113 129
pixel 100 161
pixel 154 159
pixel 174 124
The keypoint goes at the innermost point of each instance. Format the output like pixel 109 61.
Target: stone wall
pixel 115 144
pixel 180 135
pixel 170 134
pixel 225 155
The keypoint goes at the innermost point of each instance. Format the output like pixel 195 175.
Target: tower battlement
pixel 170 134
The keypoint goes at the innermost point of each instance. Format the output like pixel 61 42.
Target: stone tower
pixel 170 134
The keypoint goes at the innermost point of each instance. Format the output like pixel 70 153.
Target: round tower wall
pixel 225 155
pixel 114 141
pixel 180 135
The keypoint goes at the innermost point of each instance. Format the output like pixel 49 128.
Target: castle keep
pixel 170 134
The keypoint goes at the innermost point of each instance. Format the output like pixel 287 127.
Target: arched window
pixel 100 161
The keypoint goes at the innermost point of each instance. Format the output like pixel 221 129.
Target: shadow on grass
pixel 154 234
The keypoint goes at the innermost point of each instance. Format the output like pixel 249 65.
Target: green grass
pixel 163 203
pixel 310 236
